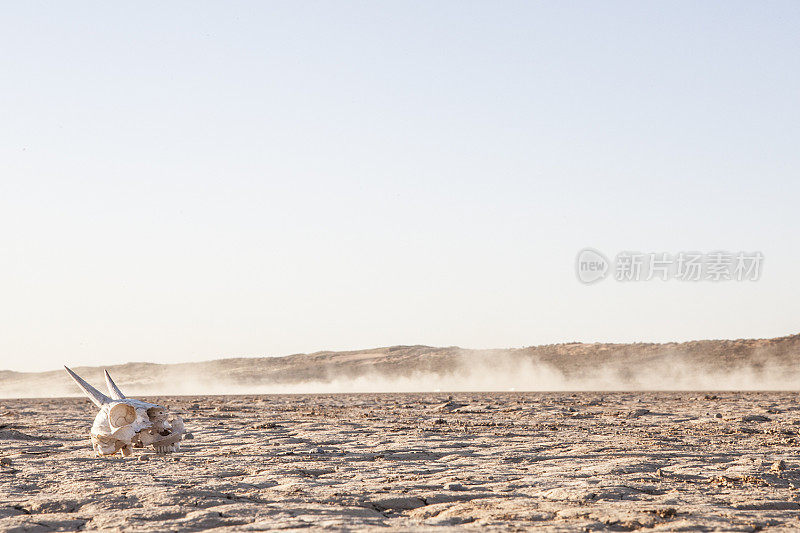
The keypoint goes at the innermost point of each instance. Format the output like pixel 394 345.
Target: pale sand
pixel 544 461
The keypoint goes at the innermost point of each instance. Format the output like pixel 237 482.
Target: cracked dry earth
pixel 482 461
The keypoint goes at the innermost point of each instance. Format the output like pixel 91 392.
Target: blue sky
pixel 194 180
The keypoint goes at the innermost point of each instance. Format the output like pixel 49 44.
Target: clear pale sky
pixel 191 180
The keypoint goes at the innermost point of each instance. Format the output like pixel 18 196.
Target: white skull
pixel 124 423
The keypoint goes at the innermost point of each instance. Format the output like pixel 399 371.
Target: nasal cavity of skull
pixel 156 414
pixel 121 415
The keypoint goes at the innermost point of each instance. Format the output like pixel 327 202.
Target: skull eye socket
pixel 121 415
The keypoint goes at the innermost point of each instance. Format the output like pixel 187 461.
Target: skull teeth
pixel 167 449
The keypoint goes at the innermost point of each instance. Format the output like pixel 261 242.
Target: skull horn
pixel 95 395
pixel 113 390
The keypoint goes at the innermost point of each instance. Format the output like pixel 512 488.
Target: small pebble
pixel 718 415
pixel 188 436
pixel 5 461
pixel 779 465
pixel 144 458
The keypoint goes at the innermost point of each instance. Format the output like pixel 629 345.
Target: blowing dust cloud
pixel 702 365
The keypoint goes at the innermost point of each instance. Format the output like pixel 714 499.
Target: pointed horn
pixel 95 395
pixel 113 390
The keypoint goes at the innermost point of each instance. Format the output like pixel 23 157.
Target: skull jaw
pixel 161 439
pixel 105 448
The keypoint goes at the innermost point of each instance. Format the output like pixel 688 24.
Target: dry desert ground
pixel 682 461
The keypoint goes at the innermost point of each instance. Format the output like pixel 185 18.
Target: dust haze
pixel 745 364
pixel 506 373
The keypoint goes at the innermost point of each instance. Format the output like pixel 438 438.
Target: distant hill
pixel 708 364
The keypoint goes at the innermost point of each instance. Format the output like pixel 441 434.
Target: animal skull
pixel 124 423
